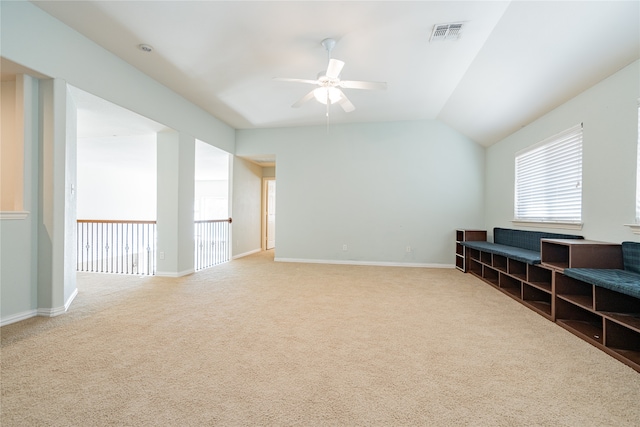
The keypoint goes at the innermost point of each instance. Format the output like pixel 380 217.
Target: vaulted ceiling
pixel 514 60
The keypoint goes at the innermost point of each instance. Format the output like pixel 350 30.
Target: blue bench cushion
pixel 529 240
pixel 524 255
pixel 631 256
pixel 623 281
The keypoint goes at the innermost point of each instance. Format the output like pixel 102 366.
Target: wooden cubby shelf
pixel 604 318
pixel 463 235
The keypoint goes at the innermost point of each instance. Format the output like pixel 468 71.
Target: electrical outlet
pixel 344 247
pixel 408 248
pixel 161 254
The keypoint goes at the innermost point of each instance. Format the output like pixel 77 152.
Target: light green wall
pixel 609 112
pixel 246 206
pixel 176 171
pixel 37 278
pixel 18 243
pixel 377 188
pixel 36 40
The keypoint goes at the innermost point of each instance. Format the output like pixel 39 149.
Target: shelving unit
pixel 528 284
pixel 606 319
pixel 463 235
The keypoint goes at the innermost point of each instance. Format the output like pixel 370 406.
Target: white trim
pixel 44 312
pixel 369 263
pixel 255 251
pixel 549 224
pixel 73 296
pixel 635 228
pixel 178 274
pixel 18 317
pixel 51 312
pixel 13 215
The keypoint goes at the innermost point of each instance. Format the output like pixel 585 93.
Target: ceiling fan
pixel 329 90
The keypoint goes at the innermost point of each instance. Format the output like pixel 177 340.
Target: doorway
pixel 269 213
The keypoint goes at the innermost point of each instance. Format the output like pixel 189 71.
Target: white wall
pixel 117 178
pixel 609 112
pixel 377 188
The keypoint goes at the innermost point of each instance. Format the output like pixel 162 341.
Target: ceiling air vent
pixel 443 32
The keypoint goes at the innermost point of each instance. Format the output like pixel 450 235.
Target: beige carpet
pixel 255 342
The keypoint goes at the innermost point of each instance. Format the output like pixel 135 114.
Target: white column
pixel 176 171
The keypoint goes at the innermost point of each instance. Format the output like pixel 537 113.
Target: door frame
pixel 263 212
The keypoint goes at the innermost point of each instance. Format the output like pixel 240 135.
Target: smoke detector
pixel 451 31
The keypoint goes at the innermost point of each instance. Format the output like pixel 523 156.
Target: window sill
pixel 549 224
pixel 635 228
pixel 13 215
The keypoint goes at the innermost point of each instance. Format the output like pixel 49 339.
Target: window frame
pixel 568 136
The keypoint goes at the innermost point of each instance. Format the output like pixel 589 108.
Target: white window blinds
pixel 549 179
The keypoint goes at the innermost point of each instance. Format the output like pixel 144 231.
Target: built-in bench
pixel 520 245
pixel 625 281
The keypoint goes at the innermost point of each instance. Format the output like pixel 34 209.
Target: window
pixel 638 170
pixel 549 180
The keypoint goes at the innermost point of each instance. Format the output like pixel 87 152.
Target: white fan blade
pixel 284 79
pixel 303 99
pixel 352 84
pixel 335 68
pixel 346 105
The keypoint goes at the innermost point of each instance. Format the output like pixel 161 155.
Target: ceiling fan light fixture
pixel 321 94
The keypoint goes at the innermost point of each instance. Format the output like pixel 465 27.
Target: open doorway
pixel 116 187
pixel 269 213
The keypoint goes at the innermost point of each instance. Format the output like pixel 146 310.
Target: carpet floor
pixel 261 343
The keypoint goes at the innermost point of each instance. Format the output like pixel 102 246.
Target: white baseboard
pixel 255 251
pixel 370 263
pixel 18 317
pixel 44 312
pixel 51 312
pixel 178 274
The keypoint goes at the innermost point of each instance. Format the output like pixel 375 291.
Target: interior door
pixel 271 214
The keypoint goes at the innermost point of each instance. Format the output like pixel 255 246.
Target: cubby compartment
pixel 460 262
pixel 460 235
pixel 500 262
pixel 490 275
pixel 623 341
pixel 554 255
pixel 485 257
pixel 517 268
pixel 580 321
pixel 574 291
pixel 510 285
pixel 459 249
pixel 539 277
pixel 623 309
pixel 537 299
pixel 473 254
pixel 475 267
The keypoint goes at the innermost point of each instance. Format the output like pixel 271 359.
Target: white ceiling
pixel 514 62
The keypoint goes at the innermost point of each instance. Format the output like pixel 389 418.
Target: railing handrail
pixel 203 221
pixel 115 221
